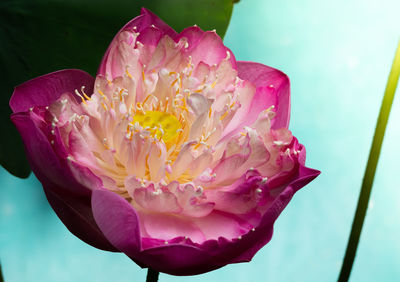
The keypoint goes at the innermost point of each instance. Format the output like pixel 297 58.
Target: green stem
pixel 1 275
pixel 152 275
pixel 370 169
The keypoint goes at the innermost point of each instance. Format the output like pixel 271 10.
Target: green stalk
pixel 1 275
pixel 371 169
pixel 152 275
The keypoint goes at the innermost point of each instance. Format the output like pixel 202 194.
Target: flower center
pixel 160 124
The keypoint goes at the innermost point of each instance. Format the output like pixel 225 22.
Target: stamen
pixel 80 96
pixel 83 92
pixel 105 144
pixel 143 75
pixel 224 115
pixel 172 84
pixel 104 106
pixel 128 73
pixel 103 96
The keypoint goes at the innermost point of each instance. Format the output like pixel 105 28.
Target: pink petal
pixel 117 220
pixel 225 251
pixel 239 198
pixel 166 227
pixel 210 50
pixel 188 198
pixel 156 201
pixel 267 79
pixel 46 89
pixel 182 161
pixel 149 19
pixel 218 224
pixel 46 165
pixel 263 233
pixel 246 114
pixel 145 20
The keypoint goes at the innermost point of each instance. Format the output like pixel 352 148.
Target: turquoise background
pixel 337 55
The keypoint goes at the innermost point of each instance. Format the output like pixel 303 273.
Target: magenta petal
pixel 150 36
pixel 254 241
pixel 177 259
pixel 149 19
pixel 267 80
pixel 46 165
pixel 193 34
pixel 117 220
pixel 76 214
pixel 44 90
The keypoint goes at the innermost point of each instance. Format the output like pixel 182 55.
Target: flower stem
pixel 1 275
pixel 370 170
pixel 152 275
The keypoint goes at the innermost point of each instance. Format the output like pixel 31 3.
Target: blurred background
pixel 338 55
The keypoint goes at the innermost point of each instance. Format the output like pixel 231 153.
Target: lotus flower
pixel 175 154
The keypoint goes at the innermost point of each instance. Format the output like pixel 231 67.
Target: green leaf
pixel 38 37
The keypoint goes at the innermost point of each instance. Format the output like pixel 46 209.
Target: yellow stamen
pixel 172 84
pixel 102 95
pixel 84 94
pixel 197 145
pixel 145 100
pixel 163 125
pixel 224 115
pixel 166 104
pixel 80 96
pixel 128 73
pixel 183 108
pixel 120 94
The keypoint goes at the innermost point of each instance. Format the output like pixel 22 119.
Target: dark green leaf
pixel 38 37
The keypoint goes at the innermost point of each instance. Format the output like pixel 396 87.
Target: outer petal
pixel 273 88
pixel 142 22
pixel 252 243
pixel 46 165
pixel 76 214
pixel 242 250
pixel 178 259
pixel 44 90
pixel 118 221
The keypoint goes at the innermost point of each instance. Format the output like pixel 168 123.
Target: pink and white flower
pixel 175 154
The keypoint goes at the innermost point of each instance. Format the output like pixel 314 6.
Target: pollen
pixel 160 124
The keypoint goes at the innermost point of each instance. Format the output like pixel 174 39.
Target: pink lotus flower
pixel 175 154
